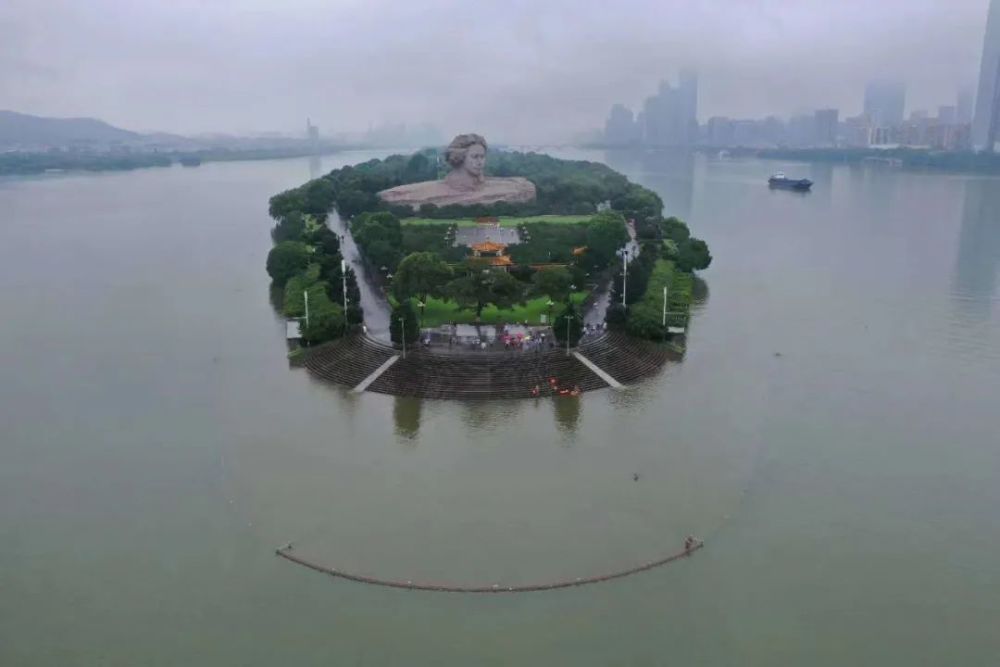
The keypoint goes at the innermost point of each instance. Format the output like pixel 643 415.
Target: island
pixel 582 285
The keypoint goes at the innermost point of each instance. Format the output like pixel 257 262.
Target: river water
pixel 832 434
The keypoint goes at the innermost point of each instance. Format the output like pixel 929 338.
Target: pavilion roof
pixel 489 246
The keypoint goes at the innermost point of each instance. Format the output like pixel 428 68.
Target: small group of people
pixel 594 329
pixel 557 390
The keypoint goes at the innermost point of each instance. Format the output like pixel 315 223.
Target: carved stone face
pixel 475 160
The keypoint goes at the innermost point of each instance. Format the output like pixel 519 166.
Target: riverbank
pixel 26 164
pixel 494 373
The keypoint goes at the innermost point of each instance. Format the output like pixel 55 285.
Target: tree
pixel 554 283
pixel 675 230
pixel 286 202
pixel 290 227
pixel 574 327
pixel 420 274
pixel 606 233
pixel 404 320
pixel 333 278
pixel 287 259
pixel 616 314
pixel 324 327
pixel 324 239
pixel 484 286
pixel 318 198
pixel 638 202
pixel 693 254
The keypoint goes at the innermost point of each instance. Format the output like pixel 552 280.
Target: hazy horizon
pixel 516 72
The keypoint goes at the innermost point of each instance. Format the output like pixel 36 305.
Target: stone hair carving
pixel 459 146
pixel 466 184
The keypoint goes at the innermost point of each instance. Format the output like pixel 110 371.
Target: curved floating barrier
pixel 286 553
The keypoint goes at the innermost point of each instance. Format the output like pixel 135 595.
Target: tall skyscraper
pixel 670 118
pixel 825 125
pixel 620 128
pixel 964 109
pixel 688 94
pixel 885 102
pixel 986 124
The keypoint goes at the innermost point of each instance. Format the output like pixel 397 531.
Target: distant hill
pixel 18 129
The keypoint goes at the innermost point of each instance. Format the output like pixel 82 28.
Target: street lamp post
pixel 402 334
pixel 664 305
pixel 343 275
pixel 568 319
pixel 624 273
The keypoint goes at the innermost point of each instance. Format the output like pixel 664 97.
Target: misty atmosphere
pixel 519 72
pixel 521 333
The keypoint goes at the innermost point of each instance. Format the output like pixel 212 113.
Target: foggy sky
pixel 515 70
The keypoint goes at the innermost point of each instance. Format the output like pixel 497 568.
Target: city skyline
pixel 986 122
pixel 192 67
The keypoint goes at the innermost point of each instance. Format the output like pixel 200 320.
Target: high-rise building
pixel 986 123
pixel 720 131
pixel 670 118
pixel 885 102
pixel 620 128
pixel 688 97
pixel 825 126
pixel 801 130
pixel 947 115
pixel 964 108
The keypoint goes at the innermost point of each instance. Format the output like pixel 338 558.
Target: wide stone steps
pixel 483 376
pixel 627 359
pixel 347 361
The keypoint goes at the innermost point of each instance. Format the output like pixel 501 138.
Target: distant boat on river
pixel 782 182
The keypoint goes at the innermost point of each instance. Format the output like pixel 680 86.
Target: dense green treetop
pixel 480 287
pixel 554 283
pixel 287 259
pixel 606 233
pixel 404 321
pixel 420 274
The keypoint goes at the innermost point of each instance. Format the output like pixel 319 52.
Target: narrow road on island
pixel 599 308
pixel 376 309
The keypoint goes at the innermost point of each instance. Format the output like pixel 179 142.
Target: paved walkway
pixel 598 371
pixel 376 309
pixel 364 384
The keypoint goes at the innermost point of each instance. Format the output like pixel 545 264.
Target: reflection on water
pixel 567 413
pixel 179 438
pixel 490 416
pixel 406 416
pixel 978 257
pixel 699 293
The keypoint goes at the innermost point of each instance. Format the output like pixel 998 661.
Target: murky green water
pixel 155 447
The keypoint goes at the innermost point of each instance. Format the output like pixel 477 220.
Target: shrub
pixel 409 325
pixel 616 314
pixel 287 259
pixel 574 328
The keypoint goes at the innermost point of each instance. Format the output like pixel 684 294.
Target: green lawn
pixel 440 312
pixel 504 221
